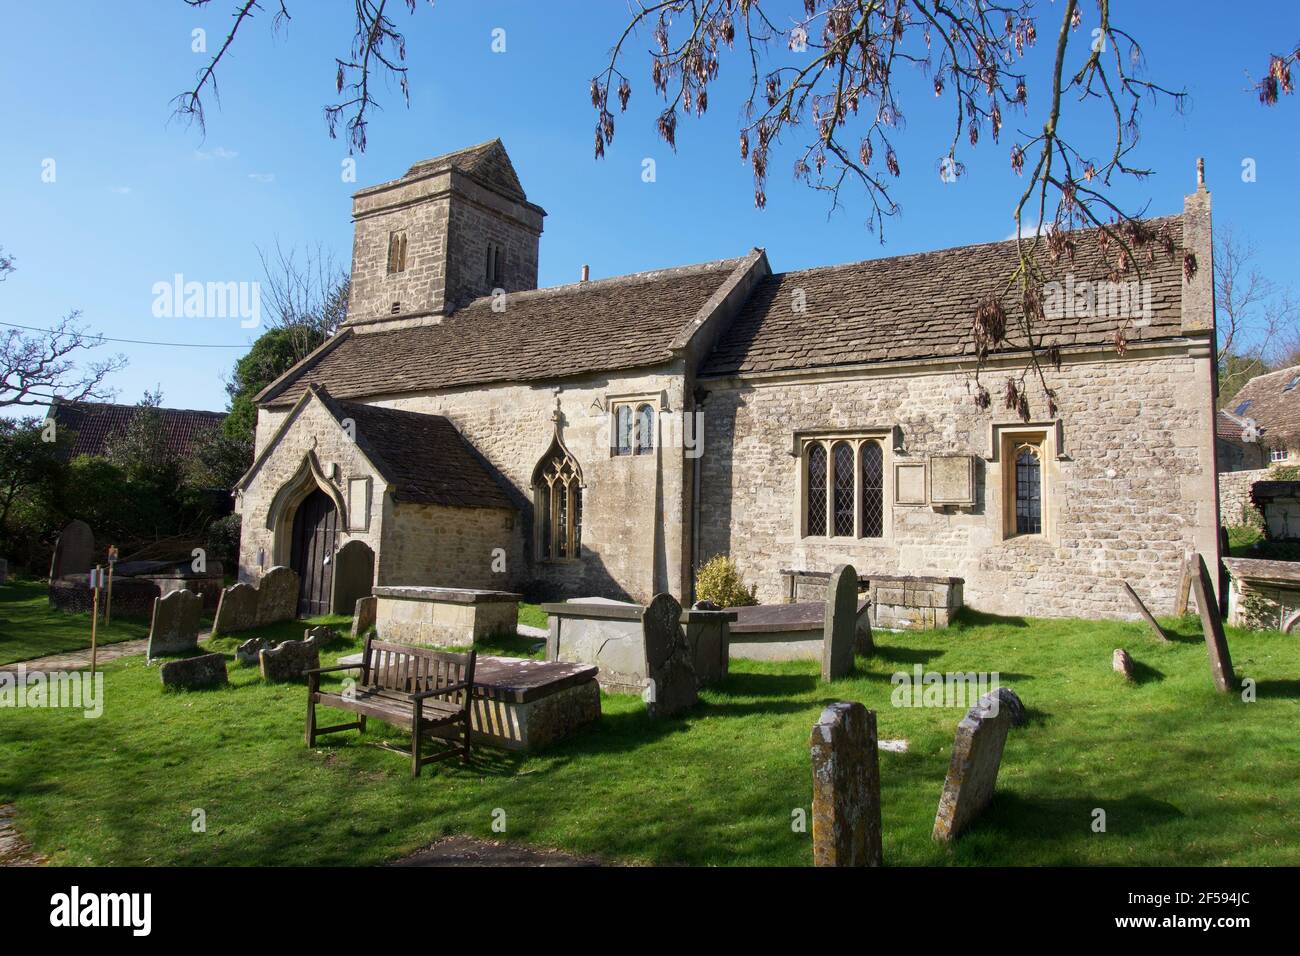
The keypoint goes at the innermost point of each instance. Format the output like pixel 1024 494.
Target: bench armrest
pixel 333 667
pixel 441 691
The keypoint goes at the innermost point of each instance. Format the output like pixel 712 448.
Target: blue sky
pixel 138 199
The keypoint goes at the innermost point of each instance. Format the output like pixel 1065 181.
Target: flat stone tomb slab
pixel 527 705
pixel 782 632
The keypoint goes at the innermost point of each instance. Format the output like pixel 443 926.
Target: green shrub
pixel 720 581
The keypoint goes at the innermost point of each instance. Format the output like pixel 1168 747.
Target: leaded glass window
pixel 557 493
pixel 843 453
pixel 817 490
pixel 623 430
pixel 1029 503
pixel 873 490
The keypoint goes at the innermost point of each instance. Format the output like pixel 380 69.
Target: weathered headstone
pixel 1121 663
pixel 277 596
pixel 1184 585
pixel 1289 624
pixel 846 787
pixel 364 618
pixel 709 640
pixel 74 553
pixel 236 610
pixel 1006 699
pixel 249 652
pixel 976 756
pixel 175 625
pixel 864 642
pixel 1216 642
pixel 354 575
pixel 205 670
pixel 840 626
pixel 1146 615
pixel 671 683
pixel 290 660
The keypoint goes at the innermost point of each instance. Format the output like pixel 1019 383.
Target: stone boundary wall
pixel 1234 496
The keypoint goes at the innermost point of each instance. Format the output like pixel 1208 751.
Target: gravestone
pixel 206 670
pixel 1121 663
pixel 354 576
pixel 1184 585
pixel 708 635
pixel 1004 698
pixel 364 618
pixel 290 660
pixel 1146 615
pixel 277 596
pixel 236 610
pixel 846 787
pixel 671 683
pixel 1216 643
pixel 864 643
pixel 976 756
pixel 175 625
pixel 840 626
pixel 249 652
pixel 74 553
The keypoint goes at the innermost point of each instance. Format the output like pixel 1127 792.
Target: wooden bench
pixel 406 687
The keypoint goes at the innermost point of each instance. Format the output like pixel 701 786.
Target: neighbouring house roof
pixel 1274 407
pixel 98 424
pixel 921 306
pixel 544 334
pixel 1227 427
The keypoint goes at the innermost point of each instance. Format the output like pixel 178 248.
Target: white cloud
pixel 1030 231
pixel 262 177
pixel 219 152
pixel 122 190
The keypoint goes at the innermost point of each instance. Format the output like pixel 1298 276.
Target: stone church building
pixel 608 436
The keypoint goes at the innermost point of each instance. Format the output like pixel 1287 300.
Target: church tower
pixel 454 228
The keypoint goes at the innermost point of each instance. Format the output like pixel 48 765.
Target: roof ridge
pixel 74 404
pixel 938 252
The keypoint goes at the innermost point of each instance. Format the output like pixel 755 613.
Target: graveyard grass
pixel 1184 775
pixel 30 628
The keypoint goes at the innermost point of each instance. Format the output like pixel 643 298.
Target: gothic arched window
pixel 844 480
pixel 623 430
pixel 557 497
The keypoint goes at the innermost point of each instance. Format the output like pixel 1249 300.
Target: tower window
pixel 493 271
pixel 397 251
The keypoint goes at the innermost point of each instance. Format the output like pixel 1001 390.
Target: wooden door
pixel 315 527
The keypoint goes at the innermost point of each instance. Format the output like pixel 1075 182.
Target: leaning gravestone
pixel 671 683
pixel 236 610
pixel 277 596
pixel 175 625
pixel 840 626
pixel 291 660
pixel 846 787
pixel 976 756
pixel 1216 643
pixel 364 618
pixel 1146 615
pixel 249 653
pixel 74 553
pixel 354 575
pixel 206 670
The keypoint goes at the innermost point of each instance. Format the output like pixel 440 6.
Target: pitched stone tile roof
pixel 545 334
pixel 487 163
pixel 423 458
pixel 98 424
pixel 918 306
pixel 1274 407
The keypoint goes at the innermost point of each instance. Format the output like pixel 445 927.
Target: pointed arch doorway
pixel 313 540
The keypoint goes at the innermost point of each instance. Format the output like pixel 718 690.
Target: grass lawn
pixel 532 615
pixel 1185 775
pixel 29 627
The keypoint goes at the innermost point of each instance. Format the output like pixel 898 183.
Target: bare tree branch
pixel 36 369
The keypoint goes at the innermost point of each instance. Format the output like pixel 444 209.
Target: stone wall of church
pixel 634 525
pixel 437 546
pixel 314 429
pixel 1130 489
pixel 635 528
